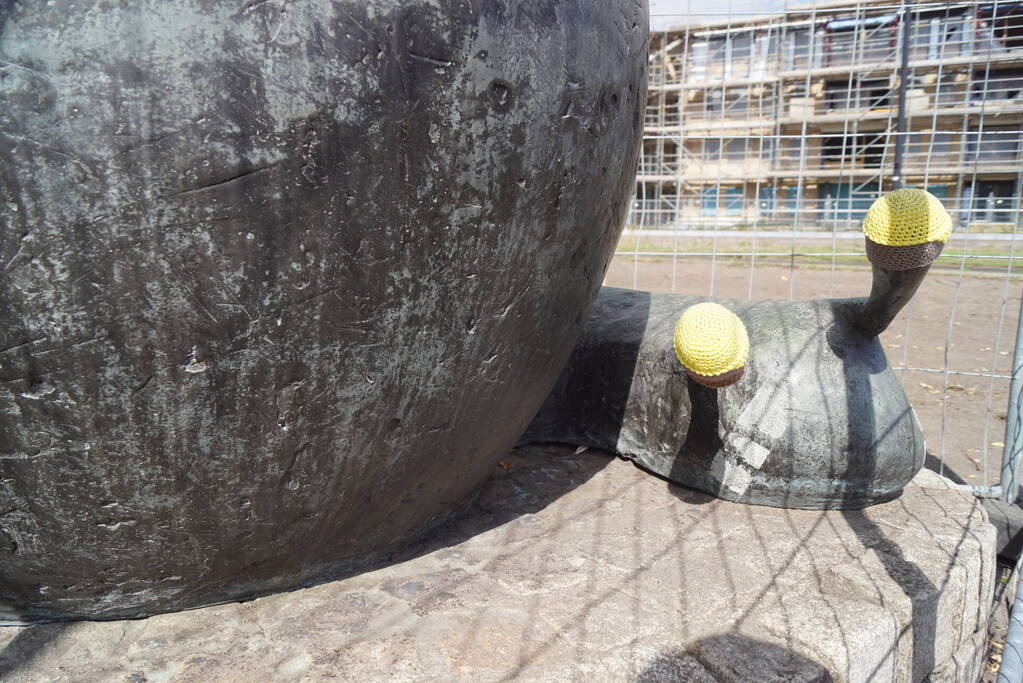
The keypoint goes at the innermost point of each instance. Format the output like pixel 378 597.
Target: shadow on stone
pixel 937 465
pixel 29 642
pixel 669 667
pixel 863 469
pixel 590 402
pixel 506 496
pixel 734 658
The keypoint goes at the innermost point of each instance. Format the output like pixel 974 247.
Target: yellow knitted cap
pixel 907 217
pixel 711 340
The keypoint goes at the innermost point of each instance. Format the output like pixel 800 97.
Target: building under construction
pixel 795 118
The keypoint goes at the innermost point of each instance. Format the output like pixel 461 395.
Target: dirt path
pixel 964 424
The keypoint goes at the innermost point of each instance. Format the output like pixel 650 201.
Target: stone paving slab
pixel 581 566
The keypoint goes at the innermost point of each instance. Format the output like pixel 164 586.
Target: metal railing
pixel 768 137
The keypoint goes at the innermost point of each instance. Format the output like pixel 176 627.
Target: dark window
pixel 1000 85
pixel 875 93
pixel 856 93
pixel 859 151
pixel 1003 24
pixel 992 145
pixel 840 95
pixel 832 149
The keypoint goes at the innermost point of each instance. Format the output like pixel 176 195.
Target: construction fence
pixel 767 137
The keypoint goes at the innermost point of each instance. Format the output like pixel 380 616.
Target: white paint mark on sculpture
pixel 735 477
pixel 746 450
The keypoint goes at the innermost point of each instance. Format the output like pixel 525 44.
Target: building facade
pixel 792 119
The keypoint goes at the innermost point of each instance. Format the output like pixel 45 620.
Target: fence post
pixel 1014 421
pixel 900 122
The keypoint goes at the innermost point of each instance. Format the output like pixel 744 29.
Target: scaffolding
pixel 792 117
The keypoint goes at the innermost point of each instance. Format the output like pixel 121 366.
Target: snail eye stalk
pixel 904 232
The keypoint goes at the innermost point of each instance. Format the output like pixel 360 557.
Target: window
pixel 840 95
pixel 718 63
pixel 764 47
pixel 936 149
pixel 846 202
pixel 999 86
pixel 875 93
pixel 937 33
pixel 735 149
pixel 797 51
pixel 713 102
pixel 765 197
pixel 655 205
pixel 855 93
pixel 699 59
pixel 730 103
pixel 871 151
pixel 856 39
pixel 762 148
pixel 728 205
pixel 866 150
pixel 992 202
pixel 835 148
pixel 712 149
pixel 741 51
pixel 947 92
pixel 992 145
pixel 1001 26
pixel 730 149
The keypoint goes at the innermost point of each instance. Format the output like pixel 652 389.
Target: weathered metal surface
pixel 283 279
pixel 818 419
pixel 890 291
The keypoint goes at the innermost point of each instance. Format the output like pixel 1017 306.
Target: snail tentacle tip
pixel 906 229
pixel 712 344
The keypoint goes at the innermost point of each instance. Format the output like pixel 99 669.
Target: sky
pixel 667 13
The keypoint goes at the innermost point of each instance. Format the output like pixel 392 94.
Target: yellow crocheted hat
pixel 711 340
pixel 907 217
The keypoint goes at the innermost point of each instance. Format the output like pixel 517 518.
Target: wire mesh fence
pixel 768 135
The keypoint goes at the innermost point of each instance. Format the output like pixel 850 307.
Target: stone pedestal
pixel 581 566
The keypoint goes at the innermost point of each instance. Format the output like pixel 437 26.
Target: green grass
pixel 847 254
